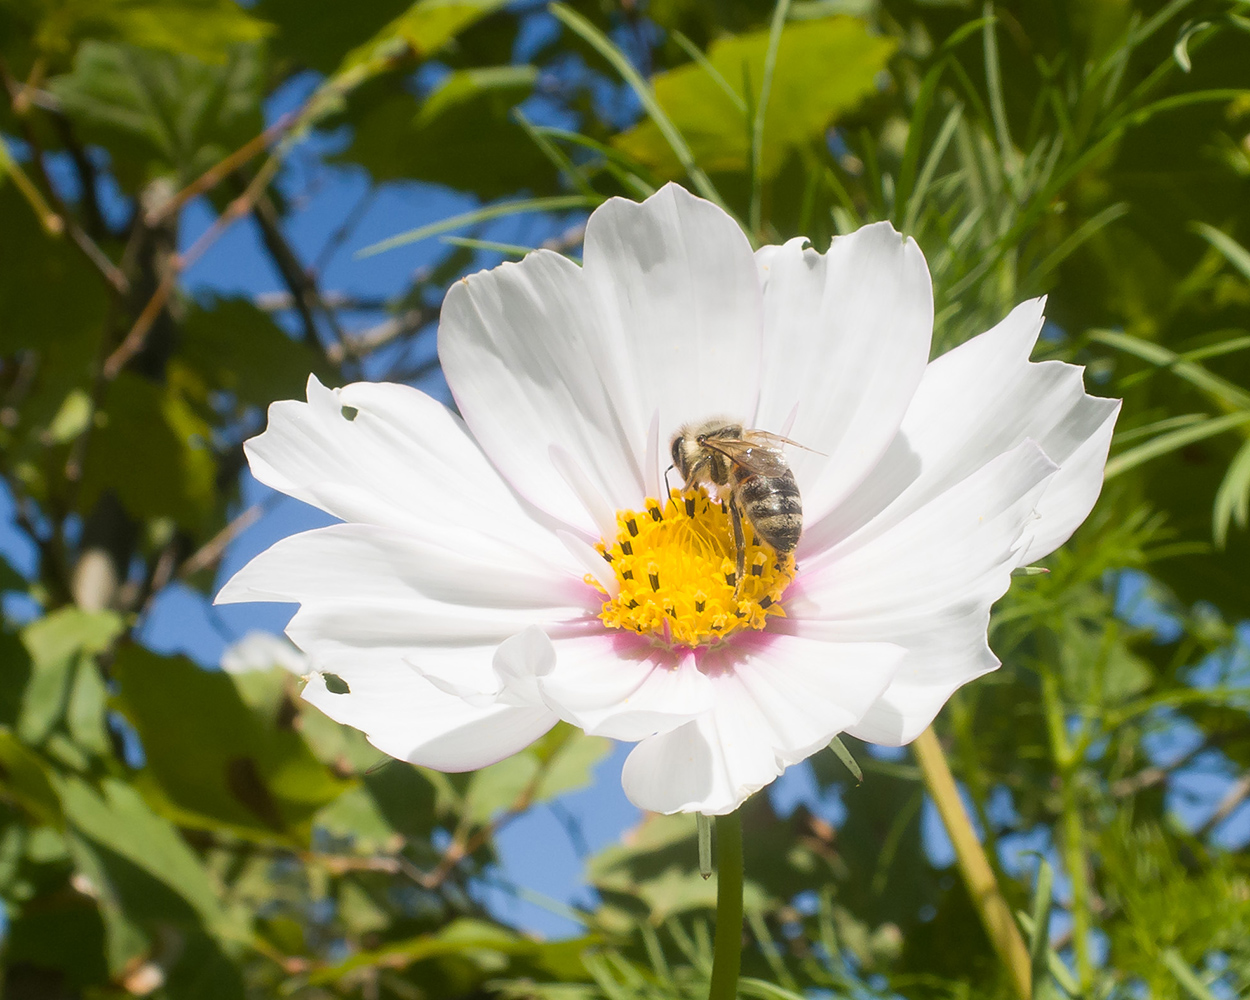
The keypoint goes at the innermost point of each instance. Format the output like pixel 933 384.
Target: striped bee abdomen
pixel 772 505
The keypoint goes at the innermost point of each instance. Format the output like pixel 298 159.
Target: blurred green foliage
pixel 173 832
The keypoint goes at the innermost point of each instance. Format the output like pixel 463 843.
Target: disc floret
pixel 676 566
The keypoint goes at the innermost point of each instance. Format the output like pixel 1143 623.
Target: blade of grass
pixel 1232 499
pixel 916 200
pixel 508 249
pixel 705 64
pixel 558 203
pixel 617 59
pixel 555 155
pixel 1227 394
pixel 1039 944
pixel 848 761
pixel 1167 443
pixel 1233 252
pixel 1186 976
pixel 1158 427
pixel 1062 974
pixel 761 112
pixel 703 826
pixel 1085 231
pixel 994 85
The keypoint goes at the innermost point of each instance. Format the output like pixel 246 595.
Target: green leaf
pixel 568 759
pixel 172 475
pixel 421 30
pixel 234 347
pixel 70 630
pixel 463 136
pixel 824 69
pixel 37 938
pixel 55 644
pixel 114 817
pixel 315 33
pixel 48 291
pixel 161 114
pixel 485 946
pixel 500 787
pixel 145 873
pixel 25 781
pixel 213 761
pixel 204 29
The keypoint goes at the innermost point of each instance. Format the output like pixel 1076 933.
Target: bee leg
pixel 740 541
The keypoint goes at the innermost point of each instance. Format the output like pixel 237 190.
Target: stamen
pixel 690 595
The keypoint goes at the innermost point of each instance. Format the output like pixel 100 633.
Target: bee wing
pixel 770 440
pixel 759 457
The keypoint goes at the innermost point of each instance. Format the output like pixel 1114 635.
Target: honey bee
pixel 719 453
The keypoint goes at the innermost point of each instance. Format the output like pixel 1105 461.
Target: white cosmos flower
pixel 463 601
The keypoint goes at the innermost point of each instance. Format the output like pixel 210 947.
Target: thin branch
pixel 59 218
pixel 303 291
pixel 210 553
pixel 282 301
pixel 215 174
pixel 1234 797
pixel 343 233
pixel 301 281
pixel 135 339
pixel 357 345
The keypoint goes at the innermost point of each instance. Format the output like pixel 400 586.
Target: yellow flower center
pixel 676 564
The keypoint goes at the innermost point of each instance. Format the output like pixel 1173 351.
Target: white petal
pixel 520 662
pixel 958 547
pixel 778 699
pixel 938 662
pixel 615 684
pixel 366 564
pixel 405 716
pixel 1073 492
pixel 974 403
pixel 402 460
pixel 370 594
pixel 846 337
pixel 942 653
pixel 533 362
pixel 664 318
pixel 927 583
pixel 678 284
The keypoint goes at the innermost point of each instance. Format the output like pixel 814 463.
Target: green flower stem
pixel 1068 761
pixel 727 954
pixel 978 876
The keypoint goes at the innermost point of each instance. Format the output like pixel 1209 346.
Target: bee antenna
pixel 668 489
